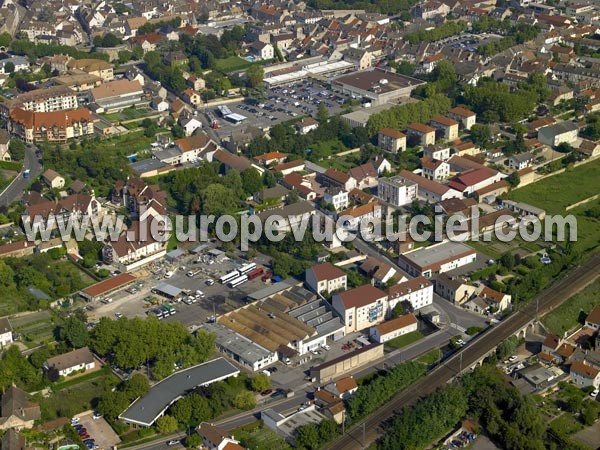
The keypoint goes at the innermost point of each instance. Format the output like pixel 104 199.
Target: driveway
pixel 16 189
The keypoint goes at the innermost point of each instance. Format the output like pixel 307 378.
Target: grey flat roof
pixel 146 165
pixel 145 410
pixel 426 256
pixel 236 343
pixel 168 289
pixel 273 289
pixel 176 253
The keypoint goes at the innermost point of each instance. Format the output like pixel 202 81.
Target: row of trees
pixel 399 117
pixel 129 343
pixel 23 46
pixel 440 32
pixel 381 6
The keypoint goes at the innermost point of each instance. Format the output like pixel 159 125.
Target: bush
pixel 471 331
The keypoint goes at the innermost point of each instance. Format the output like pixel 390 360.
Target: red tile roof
pixel 396 324
pixel 327 271
pixel 361 296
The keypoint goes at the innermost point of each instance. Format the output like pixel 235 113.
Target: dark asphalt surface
pixel 15 191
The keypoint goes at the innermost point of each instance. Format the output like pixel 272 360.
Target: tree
pixel 507 260
pixel 514 179
pixel 5 39
pixel 307 436
pixel 244 400
pixel 218 200
pixel 177 131
pixel 269 179
pixel 260 382
pixel 251 181
pixel 481 134
pixel 17 149
pixel 398 310
pixel 74 332
pixel 166 424
pixel 193 441
pixel 322 113
pixel 255 75
pixel 136 386
pixel 9 67
pixel 112 404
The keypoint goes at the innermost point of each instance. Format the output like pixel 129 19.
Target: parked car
pixel 97 416
pixel 172 442
pixel 594 393
pixel 266 392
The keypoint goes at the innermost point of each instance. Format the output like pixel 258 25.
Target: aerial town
pixel 478 121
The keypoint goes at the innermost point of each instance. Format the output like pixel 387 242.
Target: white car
pixel 513 358
pixel 460 342
pixel 118 315
pixel 210 282
pixel 266 372
pixel 200 294
pixel 326 347
pixel 595 393
pixel 169 274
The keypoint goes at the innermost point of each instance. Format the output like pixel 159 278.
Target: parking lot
pixel 282 103
pixel 468 42
pixel 100 431
pixel 215 298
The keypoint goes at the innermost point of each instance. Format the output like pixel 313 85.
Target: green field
pixel 35 328
pixel 557 192
pixel 232 63
pixel 430 357
pixel 404 340
pixel 13 166
pixel 258 437
pixel 570 314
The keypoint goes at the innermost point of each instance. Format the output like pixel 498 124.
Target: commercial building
pixel 319 315
pixel 57 126
pixel 377 86
pixel 241 349
pixel 347 363
pixel 361 307
pixel 287 425
pixel 437 258
pixel 326 277
pixel 144 411
pixel 397 191
pixel 391 140
pixel 473 180
pixel 394 328
pixel 95 291
pixel 117 95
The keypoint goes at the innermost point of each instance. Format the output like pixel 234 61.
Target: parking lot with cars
pixel 203 295
pixel 95 432
pixel 469 42
pixel 282 103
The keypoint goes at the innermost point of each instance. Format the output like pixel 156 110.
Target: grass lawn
pixel 14 166
pixel 232 63
pixel 404 340
pixel 566 424
pixel 258 437
pixel 557 192
pixel 430 357
pixel 567 316
pixel 35 328
pixel 78 397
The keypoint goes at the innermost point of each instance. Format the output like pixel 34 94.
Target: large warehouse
pixel 377 85
pixel 438 258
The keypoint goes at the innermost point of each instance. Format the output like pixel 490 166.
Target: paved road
pixel 546 300
pixel 15 191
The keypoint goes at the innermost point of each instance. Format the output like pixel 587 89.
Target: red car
pixel 267 392
pixel 82 431
pixel 84 436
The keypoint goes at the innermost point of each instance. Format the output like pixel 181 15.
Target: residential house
pixel 397 191
pixel 593 318
pixel 359 215
pixel 365 175
pixel 196 83
pixel 584 376
pixel 271 158
pixel 393 328
pixel 435 169
pixel 216 438
pixel 262 50
pixel 381 164
pixel 421 134
pixel 402 243
pixel 306 125
pixel 391 140
pixel 18 410
pixel 4 145
pixel 447 127
pixel 361 307
pixel 466 117
pixel 159 104
pixel 418 292
pixel 53 180
pixel 336 178
pixel 497 301
pixel 439 152
pixel 558 133
pixel 551 344
pixel 521 161
pixel 326 277
pixel 192 97
pixel 276 194
pixel 587 148
pixel 96 67
pixel 337 197
pixel 342 388
pixel 6 332
pixel 429 190
pixel 379 272
pixel 78 360
pixel 453 289
pixel 330 405
pixel 360 57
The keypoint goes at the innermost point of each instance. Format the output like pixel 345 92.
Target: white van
pixel 169 274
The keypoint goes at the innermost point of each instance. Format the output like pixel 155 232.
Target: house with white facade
pixel 361 307
pixel 584 376
pixel 6 332
pixel 416 291
pixel 393 328
pixel 81 359
pixel 336 197
pixel 326 277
